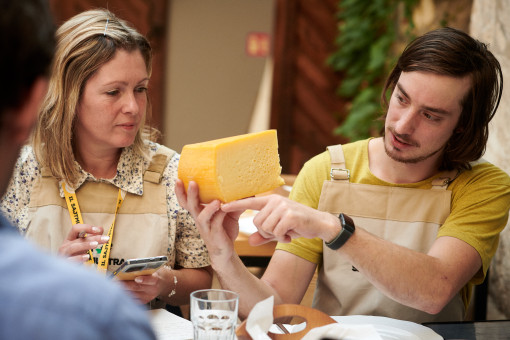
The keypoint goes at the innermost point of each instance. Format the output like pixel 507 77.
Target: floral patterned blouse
pixel 189 247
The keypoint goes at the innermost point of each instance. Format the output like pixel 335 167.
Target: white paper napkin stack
pixel 260 319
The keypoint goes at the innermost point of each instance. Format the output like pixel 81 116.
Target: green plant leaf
pixel 366 33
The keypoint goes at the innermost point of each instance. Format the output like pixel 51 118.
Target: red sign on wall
pixel 257 44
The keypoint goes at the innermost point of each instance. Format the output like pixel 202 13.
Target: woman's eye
pixel 112 92
pixel 141 89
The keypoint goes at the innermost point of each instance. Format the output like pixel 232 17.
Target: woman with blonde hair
pixel 92 185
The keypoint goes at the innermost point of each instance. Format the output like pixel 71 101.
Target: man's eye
pixel 430 117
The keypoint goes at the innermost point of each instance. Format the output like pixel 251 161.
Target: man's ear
pixel 23 119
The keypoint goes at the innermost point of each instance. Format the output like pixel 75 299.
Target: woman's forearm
pixel 179 283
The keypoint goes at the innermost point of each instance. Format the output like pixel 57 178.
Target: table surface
pixel 258 256
pixel 479 330
pixel 169 326
pixel 243 248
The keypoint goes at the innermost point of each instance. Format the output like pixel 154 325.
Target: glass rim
pixel 234 295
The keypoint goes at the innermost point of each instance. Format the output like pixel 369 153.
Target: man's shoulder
pixel 483 181
pixel 483 171
pixel 355 147
pixel 44 295
pixel 320 164
pixel 350 150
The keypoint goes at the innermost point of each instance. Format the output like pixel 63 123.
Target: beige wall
pixel 212 84
pixel 490 22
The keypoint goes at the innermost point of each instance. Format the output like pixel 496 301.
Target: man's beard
pixel 411 160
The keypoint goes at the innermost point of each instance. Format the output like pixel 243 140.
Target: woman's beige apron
pixel 405 216
pixel 141 226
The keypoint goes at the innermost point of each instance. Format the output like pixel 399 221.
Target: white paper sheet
pixel 168 326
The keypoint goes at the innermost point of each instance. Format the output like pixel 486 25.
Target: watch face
pixel 347 223
pixel 344 234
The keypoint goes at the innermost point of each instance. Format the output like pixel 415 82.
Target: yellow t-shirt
pixel 479 207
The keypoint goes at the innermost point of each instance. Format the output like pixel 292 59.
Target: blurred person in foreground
pixel 400 226
pixel 92 149
pixel 42 296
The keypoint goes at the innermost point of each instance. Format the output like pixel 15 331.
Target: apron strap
pixel 338 170
pixel 340 173
pixel 46 172
pixel 154 172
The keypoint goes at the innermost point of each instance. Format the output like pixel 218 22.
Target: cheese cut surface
pixel 232 168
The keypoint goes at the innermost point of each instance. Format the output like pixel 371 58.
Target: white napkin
pixel 246 225
pixel 340 331
pixel 259 320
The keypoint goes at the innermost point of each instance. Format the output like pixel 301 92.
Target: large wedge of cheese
pixel 232 168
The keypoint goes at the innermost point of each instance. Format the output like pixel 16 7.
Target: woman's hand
pixel 144 288
pixel 217 228
pixel 172 286
pixel 81 239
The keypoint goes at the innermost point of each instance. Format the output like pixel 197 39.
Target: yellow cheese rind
pixel 232 168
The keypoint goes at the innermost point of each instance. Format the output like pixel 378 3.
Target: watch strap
pixel 344 234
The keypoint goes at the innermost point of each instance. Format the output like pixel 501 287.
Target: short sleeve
pixel 14 204
pixel 190 249
pixel 307 190
pixel 479 212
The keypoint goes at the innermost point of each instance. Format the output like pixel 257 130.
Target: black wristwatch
pixel 344 234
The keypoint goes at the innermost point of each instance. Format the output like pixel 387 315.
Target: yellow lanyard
pixel 75 214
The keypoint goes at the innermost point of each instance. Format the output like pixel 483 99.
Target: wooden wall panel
pixel 305 108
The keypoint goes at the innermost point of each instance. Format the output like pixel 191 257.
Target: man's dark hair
pixel 27 38
pixel 450 52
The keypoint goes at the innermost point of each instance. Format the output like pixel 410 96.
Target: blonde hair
pixel 84 43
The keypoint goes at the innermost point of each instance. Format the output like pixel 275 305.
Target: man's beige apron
pixel 141 226
pixel 405 216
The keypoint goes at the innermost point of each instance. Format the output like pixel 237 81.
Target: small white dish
pixel 392 329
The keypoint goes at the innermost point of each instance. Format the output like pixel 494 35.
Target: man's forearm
pixel 423 281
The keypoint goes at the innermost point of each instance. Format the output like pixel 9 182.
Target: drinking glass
pixel 213 313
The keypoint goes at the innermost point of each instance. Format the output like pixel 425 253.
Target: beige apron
pixel 141 226
pixel 405 216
